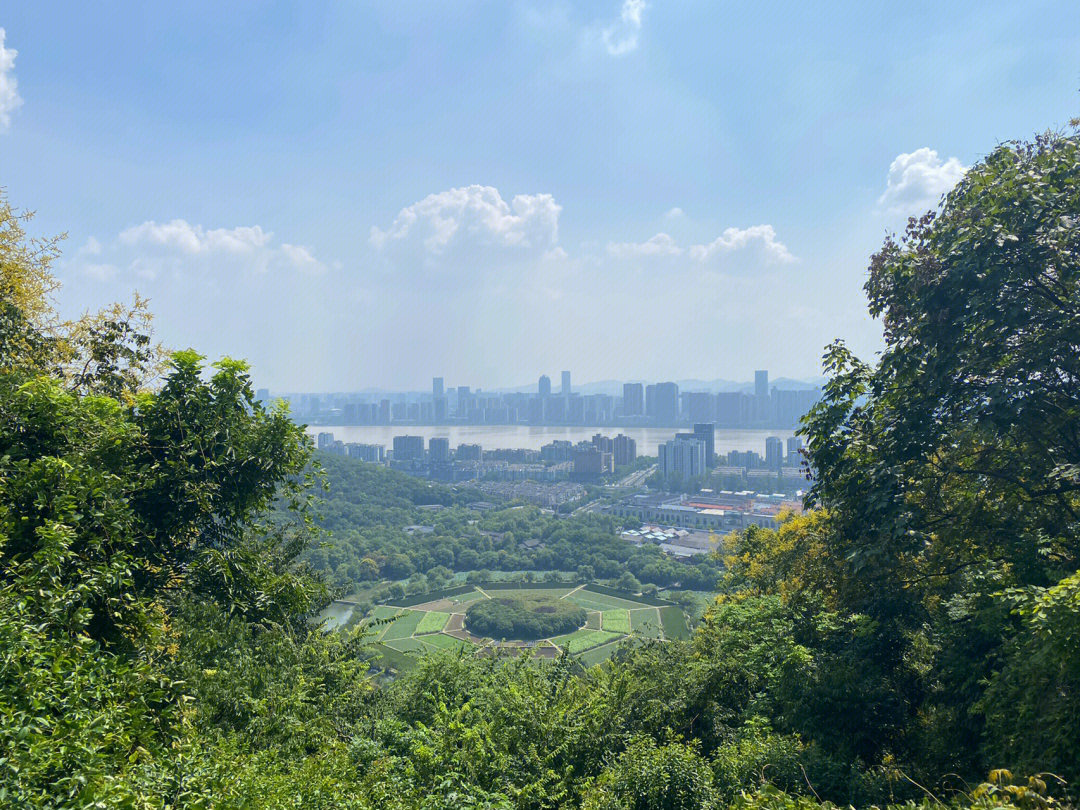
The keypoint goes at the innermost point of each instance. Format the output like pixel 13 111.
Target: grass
pixel 600 601
pixel 674 623
pixel 645 622
pixel 593 622
pixel 432 622
pixel 616 621
pixel 407 645
pixel 444 642
pixel 466 597
pixel 597 654
pixel 403 627
pixel 395 658
pixel 529 593
pixel 584 639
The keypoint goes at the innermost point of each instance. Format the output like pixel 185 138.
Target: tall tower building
pixel 633 399
pixel 436 387
pixel 761 384
pixel 545 385
pixel 565 384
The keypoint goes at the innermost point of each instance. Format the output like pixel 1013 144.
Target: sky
pixel 354 195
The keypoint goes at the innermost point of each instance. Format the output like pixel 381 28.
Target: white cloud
pixel 152 247
pixel 191 239
pixel 675 213
pixel 758 240
pixel 918 179
pixel 761 237
pixel 302 258
pixel 474 216
pixel 9 88
pixel 622 37
pixel 659 245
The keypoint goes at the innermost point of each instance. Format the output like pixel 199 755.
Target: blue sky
pixel 353 195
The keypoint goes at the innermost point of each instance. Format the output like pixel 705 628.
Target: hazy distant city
pixel 632 404
pixel 552 470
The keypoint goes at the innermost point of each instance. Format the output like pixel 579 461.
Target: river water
pixel 492 437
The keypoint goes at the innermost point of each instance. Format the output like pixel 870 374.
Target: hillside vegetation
pixel 913 640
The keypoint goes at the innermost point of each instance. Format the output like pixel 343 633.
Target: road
pixel 636 479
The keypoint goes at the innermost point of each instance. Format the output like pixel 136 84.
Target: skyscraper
pixel 707 432
pixel 633 399
pixel 565 384
pixel 438 449
pixel 436 387
pixel 761 384
pixel 774 453
pixel 545 385
pixel 625 450
pixel 662 403
pixel 684 458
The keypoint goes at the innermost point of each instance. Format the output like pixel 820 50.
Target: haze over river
pixel 492 437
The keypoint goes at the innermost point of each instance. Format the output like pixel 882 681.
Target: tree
pixel 949 471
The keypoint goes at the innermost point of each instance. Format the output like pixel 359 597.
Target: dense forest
pixel 914 638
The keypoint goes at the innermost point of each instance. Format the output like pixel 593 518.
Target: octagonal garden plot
pixel 503 618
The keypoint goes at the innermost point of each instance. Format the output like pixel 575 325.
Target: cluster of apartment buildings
pixel 659 404
pixel 557 460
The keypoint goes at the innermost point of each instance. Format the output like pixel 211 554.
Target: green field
pixel 616 621
pixel 646 622
pixel 584 639
pixel 444 642
pixel 674 623
pixel 404 626
pixel 432 622
pixel 591 600
pixel 611 620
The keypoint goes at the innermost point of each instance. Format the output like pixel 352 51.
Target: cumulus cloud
pixel 918 179
pixel 9 88
pixel 622 37
pixel 757 238
pixel 152 247
pixel 473 216
pixel 675 213
pixel 760 237
pixel 659 245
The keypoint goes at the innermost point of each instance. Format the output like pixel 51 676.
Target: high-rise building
pixel 603 443
pixel 565 384
pixel 263 395
pixel 590 461
pixel 633 399
pixel 436 387
pixel 325 440
pixel 732 409
pixel 408 447
pixel 699 406
pixel 707 432
pixel 545 385
pixel 684 458
pixel 625 450
pixel 774 453
pixel 794 456
pixel 662 403
pixel 438 449
pixel 761 384
pixel 469 452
